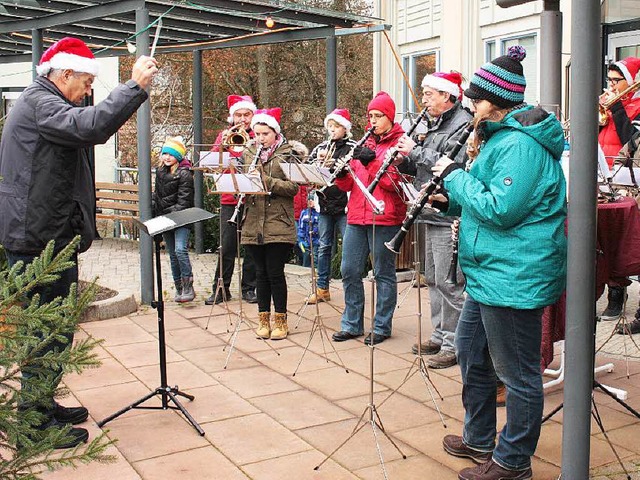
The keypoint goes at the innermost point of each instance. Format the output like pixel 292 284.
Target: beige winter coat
pixel 269 218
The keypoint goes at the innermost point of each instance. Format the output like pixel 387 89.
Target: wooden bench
pixel 118 198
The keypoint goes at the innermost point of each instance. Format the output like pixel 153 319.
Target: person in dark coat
pixel 174 192
pixel 47 188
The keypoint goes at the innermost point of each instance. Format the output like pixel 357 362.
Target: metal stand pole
pixel 167 393
pixel 220 289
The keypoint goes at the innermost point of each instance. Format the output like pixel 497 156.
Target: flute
pixel 388 161
pixel 412 214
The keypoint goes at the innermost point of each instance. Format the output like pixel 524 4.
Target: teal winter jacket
pixel 512 204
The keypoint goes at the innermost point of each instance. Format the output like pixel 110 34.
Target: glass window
pixel 628 51
pixel 529 64
pixel 416 67
pixel 490 51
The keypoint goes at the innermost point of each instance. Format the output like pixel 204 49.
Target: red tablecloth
pixel 618 255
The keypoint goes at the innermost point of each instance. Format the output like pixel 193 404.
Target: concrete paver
pixel 262 422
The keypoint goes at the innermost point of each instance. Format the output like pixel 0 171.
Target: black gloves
pixel 364 154
pixel 442 206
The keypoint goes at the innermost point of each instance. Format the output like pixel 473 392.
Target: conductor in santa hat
pixel 441 96
pixel 47 189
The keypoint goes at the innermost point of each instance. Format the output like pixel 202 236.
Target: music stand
pixel 155 227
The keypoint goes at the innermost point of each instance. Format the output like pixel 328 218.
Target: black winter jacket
pixel 47 188
pixel 174 191
pixel 333 201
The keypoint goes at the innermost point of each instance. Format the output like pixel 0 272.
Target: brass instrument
pixel 606 106
pixel 328 160
pixel 236 138
pixel 254 163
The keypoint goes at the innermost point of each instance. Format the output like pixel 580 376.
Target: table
pixel 618 255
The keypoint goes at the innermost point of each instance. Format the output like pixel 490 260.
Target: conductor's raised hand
pixel 143 70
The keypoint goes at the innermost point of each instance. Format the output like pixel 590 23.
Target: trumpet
pixel 604 108
pixel 412 214
pixel 389 160
pixel 236 138
pixel 234 218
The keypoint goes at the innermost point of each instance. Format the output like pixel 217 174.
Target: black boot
pixel 188 294
pixel 616 298
pixel 178 285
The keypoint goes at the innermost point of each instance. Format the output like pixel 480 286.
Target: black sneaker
pixel 616 298
pixel 454 445
pixel 70 415
pixel 249 296
pixel 214 299
pixel 377 338
pixel 73 438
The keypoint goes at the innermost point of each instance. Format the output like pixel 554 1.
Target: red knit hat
pixel 629 68
pixel 341 116
pixel 238 102
pixel 383 102
pixel 268 116
pixel 68 53
pixel 445 82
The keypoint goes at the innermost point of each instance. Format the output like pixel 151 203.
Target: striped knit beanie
pixel 501 81
pixel 174 146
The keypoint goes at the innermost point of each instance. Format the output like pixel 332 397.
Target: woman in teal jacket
pixel 512 204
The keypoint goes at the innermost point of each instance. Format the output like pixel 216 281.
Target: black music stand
pixel 155 227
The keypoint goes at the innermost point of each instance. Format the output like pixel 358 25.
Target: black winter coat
pixel 174 191
pixel 333 201
pixel 47 188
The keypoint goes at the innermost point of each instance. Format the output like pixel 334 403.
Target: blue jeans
pixel 59 288
pixel 177 247
pixel 358 242
pixel 504 343
pixel 327 226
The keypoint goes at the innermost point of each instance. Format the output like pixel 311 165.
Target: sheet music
pixel 212 159
pixel 304 173
pixel 159 224
pixel 623 176
pixel 239 183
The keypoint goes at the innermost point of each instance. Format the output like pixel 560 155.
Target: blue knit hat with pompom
pixel 501 81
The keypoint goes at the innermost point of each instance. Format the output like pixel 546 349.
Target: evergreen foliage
pixel 26 328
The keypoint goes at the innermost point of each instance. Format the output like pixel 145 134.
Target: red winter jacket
pixel 618 130
pixel 300 201
pixel 359 211
pixel 228 198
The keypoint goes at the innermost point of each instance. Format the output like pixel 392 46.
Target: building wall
pixel 18 75
pixel 458 32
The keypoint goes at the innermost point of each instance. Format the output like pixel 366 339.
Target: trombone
pixel 606 106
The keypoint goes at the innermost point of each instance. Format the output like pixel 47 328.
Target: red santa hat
pixel 629 68
pixel 340 116
pixel 238 102
pixel 68 53
pixel 269 116
pixel 445 82
pixel 383 103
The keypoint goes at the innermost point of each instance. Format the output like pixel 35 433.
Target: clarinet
pixel 412 214
pixel 234 218
pixel 388 161
pixel 344 161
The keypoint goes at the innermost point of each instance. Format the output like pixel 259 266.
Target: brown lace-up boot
pixel 264 325
pixel 321 295
pixel 281 329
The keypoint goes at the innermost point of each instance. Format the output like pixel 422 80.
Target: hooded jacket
pixel 359 211
pixel 513 203
pixel 174 191
pixel 47 188
pixel 269 218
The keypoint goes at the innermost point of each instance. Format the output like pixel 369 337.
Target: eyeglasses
pixel 475 101
pixel 615 80
pixel 376 115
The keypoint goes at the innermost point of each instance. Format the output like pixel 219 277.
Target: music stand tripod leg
pixel 318 324
pixel 166 392
pixel 220 288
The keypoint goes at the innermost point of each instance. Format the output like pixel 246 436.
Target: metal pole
pixel 36 50
pixel 197 141
pixel 332 73
pixel 585 76
pixel 551 57
pixel 144 168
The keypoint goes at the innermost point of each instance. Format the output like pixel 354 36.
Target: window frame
pixel 409 66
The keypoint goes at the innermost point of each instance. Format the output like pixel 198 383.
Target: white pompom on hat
pixel 68 54
pixel 341 116
pixel 268 116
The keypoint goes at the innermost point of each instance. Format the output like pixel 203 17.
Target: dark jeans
pixel 229 250
pixel 271 282
pixel 504 343
pixel 60 288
